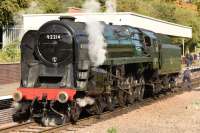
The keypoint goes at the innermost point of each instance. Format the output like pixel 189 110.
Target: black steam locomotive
pixel 59 81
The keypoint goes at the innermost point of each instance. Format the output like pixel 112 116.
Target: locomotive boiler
pixel 59 81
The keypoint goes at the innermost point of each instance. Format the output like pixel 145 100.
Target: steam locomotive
pixel 59 81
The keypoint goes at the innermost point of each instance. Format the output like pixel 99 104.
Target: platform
pixel 7 90
pixel 193 68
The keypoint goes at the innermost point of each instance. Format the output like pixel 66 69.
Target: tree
pixel 165 11
pixel 127 5
pixel 170 0
pixel 198 8
pixel 8 8
pixel 50 6
pixel 70 3
pixel 23 3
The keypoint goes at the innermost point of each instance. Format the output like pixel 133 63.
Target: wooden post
pixel 183 43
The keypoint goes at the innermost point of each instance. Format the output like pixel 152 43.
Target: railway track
pixel 31 127
pixel 5 103
pixel 5 111
pixel 6 115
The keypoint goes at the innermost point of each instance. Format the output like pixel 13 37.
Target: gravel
pixel 179 114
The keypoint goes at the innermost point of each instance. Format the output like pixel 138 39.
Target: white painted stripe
pixel 5 97
pixel 197 88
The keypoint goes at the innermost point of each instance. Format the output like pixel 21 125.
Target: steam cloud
pixel 91 6
pixel 111 6
pixel 82 102
pixel 97 46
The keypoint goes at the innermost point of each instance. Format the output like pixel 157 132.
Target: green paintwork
pixel 118 51
pixel 123 49
pixel 123 41
pixel 170 61
pixel 127 60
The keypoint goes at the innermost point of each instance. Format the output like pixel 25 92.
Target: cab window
pixel 155 42
pixel 122 32
pixel 137 38
pixel 147 41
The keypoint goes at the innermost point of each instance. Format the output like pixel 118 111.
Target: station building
pixel 34 21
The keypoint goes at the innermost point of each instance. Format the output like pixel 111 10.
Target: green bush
pixel 112 130
pixel 10 53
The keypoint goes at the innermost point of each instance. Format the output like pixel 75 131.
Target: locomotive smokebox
pixel 67 18
pixel 55 45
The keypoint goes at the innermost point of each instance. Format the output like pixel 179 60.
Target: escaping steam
pixel 111 6
pixel 91 6
pixel 82 102
pixel 97 46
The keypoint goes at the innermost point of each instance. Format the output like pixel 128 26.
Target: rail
pixel 33 127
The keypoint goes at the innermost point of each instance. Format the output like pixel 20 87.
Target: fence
pixel 10 73
pixel 11 34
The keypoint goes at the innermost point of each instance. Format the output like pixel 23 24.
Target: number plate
pixel 53 36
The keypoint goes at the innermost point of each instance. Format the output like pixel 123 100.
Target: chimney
pixel 74 10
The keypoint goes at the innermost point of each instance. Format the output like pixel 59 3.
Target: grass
pixel 112 130
pixel 10 53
